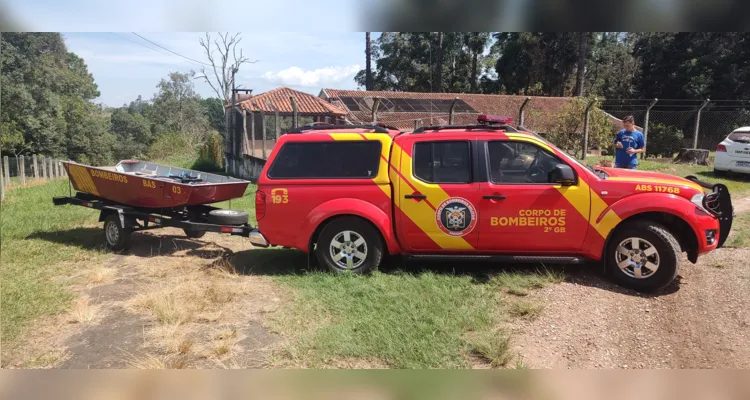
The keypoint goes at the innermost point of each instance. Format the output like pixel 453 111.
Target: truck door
pixel 437 203
pixel 520 211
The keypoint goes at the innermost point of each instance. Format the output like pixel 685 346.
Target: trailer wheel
pixel 228 217
pixel 116 237
pixel 350 244
pixel 193 234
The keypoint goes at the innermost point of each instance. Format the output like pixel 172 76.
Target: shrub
pixel 170 145
pixel 663 140
pixel 211 154
pixel 567 129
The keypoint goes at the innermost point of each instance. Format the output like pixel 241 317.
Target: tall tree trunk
pixel 474 59
pixel 439 73
pixel 368 59
pixel 583 40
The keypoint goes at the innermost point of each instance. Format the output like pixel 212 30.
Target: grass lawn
pixel 739 237
pixel 407 318
pixel 38 254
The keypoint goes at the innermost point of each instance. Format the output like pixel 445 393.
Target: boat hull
pixel 150 191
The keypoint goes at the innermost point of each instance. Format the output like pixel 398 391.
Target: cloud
pixel 296 76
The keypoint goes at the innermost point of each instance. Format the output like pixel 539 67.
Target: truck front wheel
pixel 349 244
pixel 643 256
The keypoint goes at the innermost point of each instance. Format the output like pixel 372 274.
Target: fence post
pixel 252 133
pixel 35 166
pixel 295 120
pixel 520 111
pixel 645 126
pixel 6 171
pixel 51 168
pixel 2 186
pixel 22 169
pixel 263 131
pixel 43 163
pixel 585 145
pixel 452 111
pixel 698 123
pixel 375 106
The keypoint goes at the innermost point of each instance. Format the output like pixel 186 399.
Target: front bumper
pixel 723 162
pixel 719 204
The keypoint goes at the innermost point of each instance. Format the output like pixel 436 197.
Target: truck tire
pixel 116 237
pixel 228 217
pixel 643 256
pixel 350 244
pixel 193 234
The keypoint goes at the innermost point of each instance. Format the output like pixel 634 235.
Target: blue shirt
pixel 632 139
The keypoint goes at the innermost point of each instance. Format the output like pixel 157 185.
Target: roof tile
pixel 307 104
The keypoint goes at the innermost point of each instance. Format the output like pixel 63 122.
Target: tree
pixel 46 104
pixel 611 67
pixel 368 60
pixel 423 62
pixel 567 127
pixel 224 59
pixel 178 109
pixel 215 113
pixel 132 131
pixel 583 55
pixel 476 42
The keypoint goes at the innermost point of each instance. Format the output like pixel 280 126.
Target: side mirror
pixel 563 175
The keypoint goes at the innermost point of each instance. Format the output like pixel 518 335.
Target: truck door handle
pixel 494 197
pixel 415 196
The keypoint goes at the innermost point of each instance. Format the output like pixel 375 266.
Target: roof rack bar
pixel 506 128
pixel 321 127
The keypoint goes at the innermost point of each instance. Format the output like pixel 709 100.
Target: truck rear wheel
pixel 643 256
pixel 116 237
pixel 349 244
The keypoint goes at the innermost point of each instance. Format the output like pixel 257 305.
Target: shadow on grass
pixel 708 176
pixel 144 244
pixel 277 262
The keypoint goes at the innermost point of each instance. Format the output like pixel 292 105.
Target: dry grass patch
pixel 100 274
pixel 84 312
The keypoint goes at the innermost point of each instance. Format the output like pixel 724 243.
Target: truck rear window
pixel 327 160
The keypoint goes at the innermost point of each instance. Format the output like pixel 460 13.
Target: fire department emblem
pixel 456 216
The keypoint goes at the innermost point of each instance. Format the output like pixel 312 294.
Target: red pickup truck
pixel 490 191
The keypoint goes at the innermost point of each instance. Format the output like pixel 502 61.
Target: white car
pixel 733 154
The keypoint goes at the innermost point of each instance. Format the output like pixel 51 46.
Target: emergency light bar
pixel 494 119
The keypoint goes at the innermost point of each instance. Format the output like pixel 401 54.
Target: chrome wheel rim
pixel 225 212
pixel 348 250
pixel 113 234
pixel 637 258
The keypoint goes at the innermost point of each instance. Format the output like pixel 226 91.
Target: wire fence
pixel 23 171
pixel 671 125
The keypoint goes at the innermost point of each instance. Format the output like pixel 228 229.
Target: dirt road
pixel 700 321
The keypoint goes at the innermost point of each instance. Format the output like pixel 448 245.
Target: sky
pixel 125 65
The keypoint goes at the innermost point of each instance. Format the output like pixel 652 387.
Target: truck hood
pixel 647 177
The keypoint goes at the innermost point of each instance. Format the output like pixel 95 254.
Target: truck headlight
pixel 698 201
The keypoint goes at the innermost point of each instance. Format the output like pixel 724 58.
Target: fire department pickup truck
pixel 490 191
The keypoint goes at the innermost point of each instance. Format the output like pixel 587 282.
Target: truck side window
pixel 327 160
pixel 519 162
pixel 443 162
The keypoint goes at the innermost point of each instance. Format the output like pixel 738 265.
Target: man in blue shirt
pixel 628 144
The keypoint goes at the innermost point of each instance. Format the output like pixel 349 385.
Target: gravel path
pixel 700 321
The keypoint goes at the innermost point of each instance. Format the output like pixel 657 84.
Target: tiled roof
pixel 538 114
pixel 307 104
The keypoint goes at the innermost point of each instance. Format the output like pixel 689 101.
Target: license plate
pixel 743 163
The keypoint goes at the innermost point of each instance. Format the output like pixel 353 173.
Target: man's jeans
pixel 626 166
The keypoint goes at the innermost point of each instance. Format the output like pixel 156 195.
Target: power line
pixel 138 43
pixel 175 53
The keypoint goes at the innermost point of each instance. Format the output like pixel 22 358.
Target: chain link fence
pixel 23 171
pixel 671 125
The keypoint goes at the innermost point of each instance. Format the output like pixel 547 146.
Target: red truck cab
pixel 489 191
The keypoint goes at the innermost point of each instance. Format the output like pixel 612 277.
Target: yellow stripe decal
pixel 83 179
pixel 421 213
